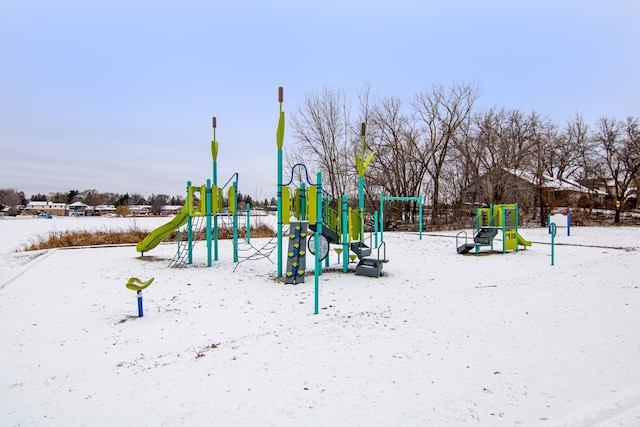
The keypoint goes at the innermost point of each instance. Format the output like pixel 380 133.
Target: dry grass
pixel 131 235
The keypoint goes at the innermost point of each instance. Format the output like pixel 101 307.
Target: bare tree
pixel 544 146
pixel 320 129
pixel 395 169
pixel 157 201
pixel 620 144
pixel 442 112
pixel 11 198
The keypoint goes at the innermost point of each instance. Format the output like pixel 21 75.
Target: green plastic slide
pixel 159 234
pixel 522 241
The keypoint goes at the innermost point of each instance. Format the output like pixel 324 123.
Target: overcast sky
pixel 118 95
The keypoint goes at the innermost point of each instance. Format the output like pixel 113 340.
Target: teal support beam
pixel 420 215
pixel 361 208
pixel 235 223
pixel 516 220
pixel 209 210
pixel 303 202
pixel 345 233
pixel 318 264
pixel 248 222
pixel 215 237
pixel 375 229
pixel 503 212
pixel 552 227
pixel 189 225
pixel 279 143
pixel 326 260
pixel 381 218
pixel 214 156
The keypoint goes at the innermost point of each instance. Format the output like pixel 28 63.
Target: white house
pixel 79 209
pixel 48 208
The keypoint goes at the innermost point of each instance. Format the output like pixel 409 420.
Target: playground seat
pixel 136 284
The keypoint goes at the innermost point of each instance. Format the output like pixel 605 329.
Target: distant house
pixel 168 210
pixel 104 209
pixel 47 208
pixel 606 190
pixel 510 186
pixel 79 209
pixel 140 210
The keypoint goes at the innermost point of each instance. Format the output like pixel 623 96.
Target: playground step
pixel 463 249
pixel 485 235
pixel 371 267
pixel 360 249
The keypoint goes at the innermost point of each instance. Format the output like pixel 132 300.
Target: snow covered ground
pixel 439 339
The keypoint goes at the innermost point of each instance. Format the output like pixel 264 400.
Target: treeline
pixel 438 145
pixel 13 199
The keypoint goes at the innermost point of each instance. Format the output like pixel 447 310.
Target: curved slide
pixel 522 241
pixel 159 234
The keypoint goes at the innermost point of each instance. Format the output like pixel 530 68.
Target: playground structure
pixel 487 223
pixel 320 220
pixel 334 221
pixel 207 207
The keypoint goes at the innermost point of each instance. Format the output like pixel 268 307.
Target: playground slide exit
pixel 522 241
pixel 159 234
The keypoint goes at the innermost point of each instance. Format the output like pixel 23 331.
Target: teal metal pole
pixel 318 264
pixel 381 218
pixel 375 228
pixel 235 223
pixel 214 156
pixel 553 236
pixel 504 230
pixel 516 220
pixel 326 260
pixel 478 223
pixel 279 225
pixel 279 143
pixel 361 208
pixel 420 215
pixel 209 209
pixel 215 237
pixel 248 222
pixel 345 233
pixel 189 224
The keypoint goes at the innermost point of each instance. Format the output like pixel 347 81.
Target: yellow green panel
pixel 510 240
pixel 218 200
pixel 189 201
pixel 202 204
pixel 297 202
pixel 354 225
pixel 214 199
pixel 312 203
pixel 286 204
pixel 232 199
